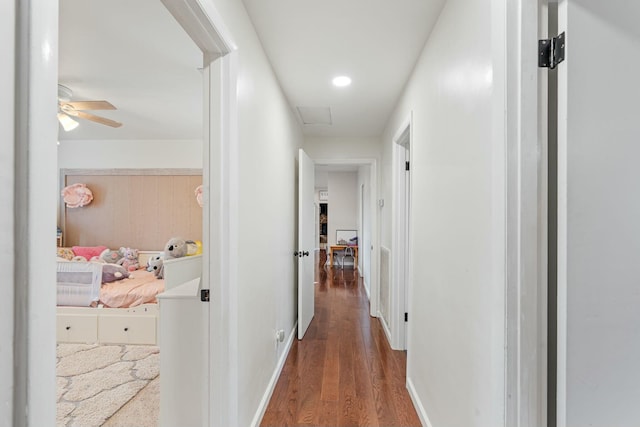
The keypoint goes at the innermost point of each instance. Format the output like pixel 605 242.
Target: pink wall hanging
pixel 77 195
pixel 199 195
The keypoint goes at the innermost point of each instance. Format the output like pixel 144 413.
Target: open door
pixel 599 214
pixel 306 234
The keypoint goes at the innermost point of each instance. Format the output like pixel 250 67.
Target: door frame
pixel 400 225
pixel 35 204
pixel 8 109
pixel 374 292
pixel 520 91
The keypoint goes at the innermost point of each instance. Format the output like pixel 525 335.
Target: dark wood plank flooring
pixel 343 373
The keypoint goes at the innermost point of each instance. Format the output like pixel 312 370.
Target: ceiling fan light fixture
pixel 64 93
pixel 68 124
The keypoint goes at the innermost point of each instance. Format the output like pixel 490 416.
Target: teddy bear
pixel 155 263
pixel 129 259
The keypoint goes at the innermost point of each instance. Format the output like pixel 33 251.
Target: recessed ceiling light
pixel 342 81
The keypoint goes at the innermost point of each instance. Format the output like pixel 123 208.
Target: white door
pixel 599 214
pixel 305 250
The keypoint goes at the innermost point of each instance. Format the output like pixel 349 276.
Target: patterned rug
pixel 96 381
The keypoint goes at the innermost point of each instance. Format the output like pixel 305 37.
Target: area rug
pixel 95 381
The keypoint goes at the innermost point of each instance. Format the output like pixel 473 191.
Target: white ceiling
pixel 134 55
pixel 375 42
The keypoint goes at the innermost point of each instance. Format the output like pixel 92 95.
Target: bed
pixel 120 312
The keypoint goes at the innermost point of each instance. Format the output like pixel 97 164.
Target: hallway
pixel 343 373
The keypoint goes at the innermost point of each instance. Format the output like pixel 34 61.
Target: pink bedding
pixel 141 287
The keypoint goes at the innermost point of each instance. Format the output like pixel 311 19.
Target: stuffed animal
pixel 194 248
pixel 129 259
pixel 111 257
pixel 155 263
pixel 113 272
pixel 176 248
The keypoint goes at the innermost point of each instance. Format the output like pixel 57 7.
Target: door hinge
pixel 406 166
pixel 406 317
pixel 551 52
pixel 204 295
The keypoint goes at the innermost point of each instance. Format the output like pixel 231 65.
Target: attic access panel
pixel 315 115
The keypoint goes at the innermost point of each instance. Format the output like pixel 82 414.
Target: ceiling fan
pixel 68 110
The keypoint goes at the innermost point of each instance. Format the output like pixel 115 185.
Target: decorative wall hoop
pixel 198 192
pixel 77 195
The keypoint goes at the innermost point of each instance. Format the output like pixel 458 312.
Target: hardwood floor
pixel 343 373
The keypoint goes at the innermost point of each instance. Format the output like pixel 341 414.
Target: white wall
pixel 268 140
pixel 139 154
pixel 456 330
pixel 321 180
pixel 342 147
pixel 343 203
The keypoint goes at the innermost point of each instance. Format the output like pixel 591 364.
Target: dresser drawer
pixel 77 328
pixel 127 329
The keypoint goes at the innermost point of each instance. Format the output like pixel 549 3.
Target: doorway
pixel 35 340
pixel 364 216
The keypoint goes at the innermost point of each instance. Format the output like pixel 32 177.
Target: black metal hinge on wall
pixel 406 317
pixel 406 166
pixel 551 52
pixel 204 295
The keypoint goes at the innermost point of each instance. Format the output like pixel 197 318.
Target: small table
pixel 333 248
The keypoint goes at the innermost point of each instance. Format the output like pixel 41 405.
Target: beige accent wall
pixel 140 209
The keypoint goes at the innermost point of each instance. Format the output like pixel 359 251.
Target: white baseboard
pixel 385 327
pixel 417 403
pixel 274 378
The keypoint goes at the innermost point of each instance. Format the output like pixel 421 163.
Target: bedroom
pixel 158 100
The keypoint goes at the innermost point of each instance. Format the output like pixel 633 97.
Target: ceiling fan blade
pixel 97 119
pixel 90 105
